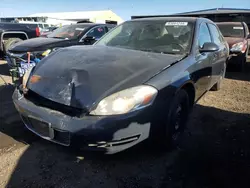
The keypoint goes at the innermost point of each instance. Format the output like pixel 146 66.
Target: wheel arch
pixel 14 34
pixel 189 87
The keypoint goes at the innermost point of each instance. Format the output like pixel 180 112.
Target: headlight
pixel 240 46
pixel 127 100
pixel 26 77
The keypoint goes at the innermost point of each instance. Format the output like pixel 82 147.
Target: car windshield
pixel 232 30
pixel 68 32
pixel 159 36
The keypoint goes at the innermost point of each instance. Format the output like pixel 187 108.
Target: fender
pixel 10 32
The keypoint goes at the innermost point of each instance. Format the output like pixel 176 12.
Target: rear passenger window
pixel 215 34
pixel 204 35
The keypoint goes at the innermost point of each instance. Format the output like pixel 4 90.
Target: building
pixel 65 18
pixel 105 16
pixel 216 14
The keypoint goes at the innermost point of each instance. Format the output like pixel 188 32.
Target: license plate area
pixel 41 127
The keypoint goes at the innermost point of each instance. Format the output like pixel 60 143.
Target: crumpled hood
pixel 80 76
pixel 38 44
pixel 232 40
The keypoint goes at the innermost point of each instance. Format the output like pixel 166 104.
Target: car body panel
pixel 89 69
pixel 40 44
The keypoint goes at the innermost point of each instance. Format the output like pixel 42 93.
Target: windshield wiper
pixel 156 51
pixel 58 37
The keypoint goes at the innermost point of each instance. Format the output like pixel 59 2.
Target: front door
pixel 203 65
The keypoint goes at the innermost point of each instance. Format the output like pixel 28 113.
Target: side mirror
pixel 209 47
pixel 88 39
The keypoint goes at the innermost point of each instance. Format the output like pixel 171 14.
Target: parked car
pixel 12 33
pixel 139 81
pixel 30 52
pixel 45 32
pixel 237 35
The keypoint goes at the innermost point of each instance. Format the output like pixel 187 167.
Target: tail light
pixel 38 32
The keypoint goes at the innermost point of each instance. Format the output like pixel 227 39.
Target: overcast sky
pixel 124 8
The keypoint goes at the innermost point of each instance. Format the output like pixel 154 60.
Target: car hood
pixel 232 40
pixel 38 44
pixel 80 76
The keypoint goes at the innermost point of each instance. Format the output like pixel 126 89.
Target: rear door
pixel 219 57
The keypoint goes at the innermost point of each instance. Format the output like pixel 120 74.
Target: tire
pixel 176 121
pixel 10 42
pixel 218 85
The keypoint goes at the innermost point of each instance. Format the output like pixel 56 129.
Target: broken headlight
pixel 127 100
pixel 26 77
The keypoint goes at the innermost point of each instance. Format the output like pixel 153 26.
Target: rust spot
pixel 35 79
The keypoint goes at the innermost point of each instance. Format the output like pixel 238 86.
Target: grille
pixel 40 127
pixel 43 102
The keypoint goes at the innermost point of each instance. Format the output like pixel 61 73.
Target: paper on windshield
pixel 176 23
pixel 79 29
pixel 241 28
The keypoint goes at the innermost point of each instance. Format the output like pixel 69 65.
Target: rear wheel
pixel 176 120
pixel 10 42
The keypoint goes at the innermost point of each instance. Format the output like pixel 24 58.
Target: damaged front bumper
pixel 109 134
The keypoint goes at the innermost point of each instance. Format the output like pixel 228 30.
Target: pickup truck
pixel 12 33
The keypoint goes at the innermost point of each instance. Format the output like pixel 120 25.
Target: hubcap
pixel 177 124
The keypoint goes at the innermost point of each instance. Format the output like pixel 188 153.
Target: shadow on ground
pixel 4 69
pixel 235 75
pixel 10 122
pixel 215 153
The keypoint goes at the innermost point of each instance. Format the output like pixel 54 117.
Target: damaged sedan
pixel 139 81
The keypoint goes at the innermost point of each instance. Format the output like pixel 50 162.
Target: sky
pixel 124 8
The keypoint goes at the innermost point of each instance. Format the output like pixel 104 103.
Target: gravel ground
pixel 215 151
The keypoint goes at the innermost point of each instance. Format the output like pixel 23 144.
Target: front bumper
pixel 109 134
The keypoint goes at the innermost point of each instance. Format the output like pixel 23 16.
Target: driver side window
pixel 96 32
pixel 204 35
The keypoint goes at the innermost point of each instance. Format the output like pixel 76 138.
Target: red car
pixel 236 34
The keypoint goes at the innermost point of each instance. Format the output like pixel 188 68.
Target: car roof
pixel 90 24
pixel 229 23
pixel 181 19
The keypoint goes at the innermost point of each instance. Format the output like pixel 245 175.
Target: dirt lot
pixel 215 151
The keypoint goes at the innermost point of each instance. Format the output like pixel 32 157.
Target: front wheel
pixel 176 121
